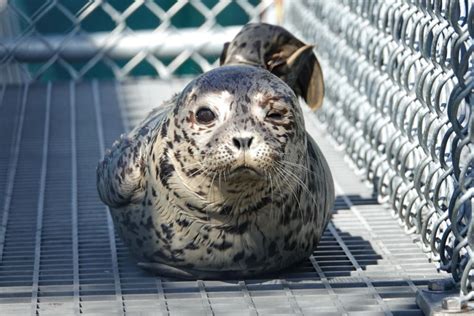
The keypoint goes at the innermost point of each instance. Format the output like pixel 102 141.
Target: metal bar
pixel 291 298
pixel 206 305
pixel 74 216
pixel 333 296
pixel 11 176
pixel 121 106
pixel 124 45
pixel 110 226
pixel 162 298
pixel 40 205
pixel 248 298
pixel 2 94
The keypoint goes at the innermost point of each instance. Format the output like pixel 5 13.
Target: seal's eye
pixel 205 115
pixel 275 116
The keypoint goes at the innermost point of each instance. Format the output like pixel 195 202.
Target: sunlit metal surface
pixel 399 84
pixel 119 46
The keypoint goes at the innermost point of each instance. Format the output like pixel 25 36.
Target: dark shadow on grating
pixel 356 199
pixel 59 253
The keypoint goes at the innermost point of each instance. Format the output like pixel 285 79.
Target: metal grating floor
pixel 59 254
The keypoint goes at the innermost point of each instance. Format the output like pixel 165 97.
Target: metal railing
pixel 26 39
pixel 399 99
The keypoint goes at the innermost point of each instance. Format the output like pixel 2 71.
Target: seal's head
pixel 238 124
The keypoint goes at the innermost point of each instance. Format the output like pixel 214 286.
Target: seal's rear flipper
pixel 277 50
pixel 167 271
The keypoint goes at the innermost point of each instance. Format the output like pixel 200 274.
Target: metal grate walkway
pixel 59 254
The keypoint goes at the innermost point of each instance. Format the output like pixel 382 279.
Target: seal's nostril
pixel 242 142
pixel 236 142
pixel 249 142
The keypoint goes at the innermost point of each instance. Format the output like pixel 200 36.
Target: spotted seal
pixel 220 181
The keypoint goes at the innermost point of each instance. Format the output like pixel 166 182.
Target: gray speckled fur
pixel 177 202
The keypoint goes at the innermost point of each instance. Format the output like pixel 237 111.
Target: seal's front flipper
pixel 121 175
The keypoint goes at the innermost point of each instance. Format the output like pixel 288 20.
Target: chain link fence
pixel 74 39
pixel 399 78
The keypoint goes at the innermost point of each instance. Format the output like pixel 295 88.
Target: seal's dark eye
pixel 275 116
pixel 205 115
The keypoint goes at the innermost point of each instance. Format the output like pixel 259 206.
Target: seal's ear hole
pixel 301 71
pixel 223 54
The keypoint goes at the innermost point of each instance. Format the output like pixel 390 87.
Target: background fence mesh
pixel 399 98
pixel 59 39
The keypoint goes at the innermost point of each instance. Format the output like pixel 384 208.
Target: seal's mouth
pixel 246 169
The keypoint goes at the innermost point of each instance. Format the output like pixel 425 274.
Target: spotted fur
pixel 182 204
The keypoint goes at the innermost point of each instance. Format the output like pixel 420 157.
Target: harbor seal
pixel 221 181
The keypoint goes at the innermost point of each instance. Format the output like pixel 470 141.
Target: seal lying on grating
pixel 223 180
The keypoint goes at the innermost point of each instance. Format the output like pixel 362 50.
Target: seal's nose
pixel 243 143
